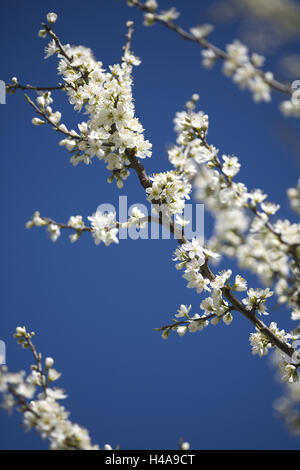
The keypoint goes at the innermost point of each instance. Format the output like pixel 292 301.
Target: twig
pixel 11 87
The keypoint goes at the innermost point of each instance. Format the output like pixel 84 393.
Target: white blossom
pixel 256 299
pixel 104 227
pixel 183 311
pixel 202 30
pixel 169 15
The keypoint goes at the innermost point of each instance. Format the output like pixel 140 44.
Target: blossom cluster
pixel 261 345
pixel 287 365
pixel 192 257
pixel 38 401
pixel 243 226
pixel 106 97
pixel 169 189
pixel 243 229
pixel 103 225
pixel 287 407
pixel 290 108
pixel 244 71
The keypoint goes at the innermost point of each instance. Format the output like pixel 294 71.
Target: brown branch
pixel 292 248
pixel 186 322
pixel 138 168
pixel 12 87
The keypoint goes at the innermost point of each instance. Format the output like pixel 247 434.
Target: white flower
pixel 181 330
pixel 196 281
pixel 261 90
pixel 49 362
pixel 149 19
pixel 50 49
pixel 136 218
pixel 169 189
pixel 231 166
pixel 76 222
pixel 36 221
pixel 54 231
pixel 240 284
pixel 207 305
pixel 104 227
pixel 220 305
pixel 131 58
pixel 169 15
pixel 290 108
pixel 296 314
pixel 51 17
pixel 259 344
pixel 209 58
pixel 194 248
pixel 20 331
pixel 26 390
pixel 53 375
pixel 107 100
pixel 257 196
pixel 269 208
pixel 201 31
pixel 221 279
pixel 290 233
pixel 185 446
pixel 243 75
pixel 55 118
pixel 288 372
pixel 181 221
pixel 42 33
pixel 257 59
pixel 256 299
pixel 237 56
pixel 294 197
pixel 227 318
pixel 183 311
pixel 74 237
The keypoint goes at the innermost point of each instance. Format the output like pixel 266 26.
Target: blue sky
pixel 93 308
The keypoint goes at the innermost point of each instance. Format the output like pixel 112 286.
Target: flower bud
pixel 51 18
pixel 49 362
